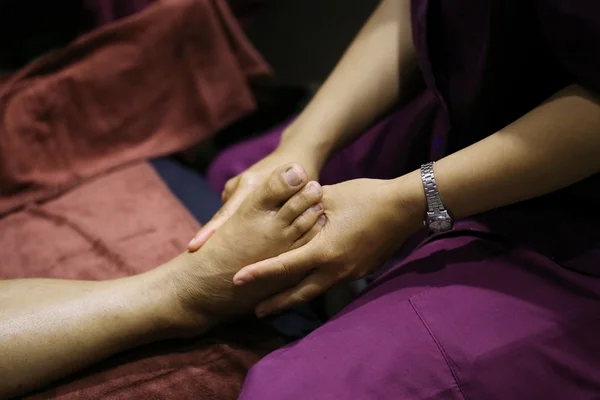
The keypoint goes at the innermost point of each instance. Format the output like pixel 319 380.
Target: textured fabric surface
pixel 77 201
pixel 464 317
pixel 117 225
pixel 506 306
pixel 112 226
pixel 151 84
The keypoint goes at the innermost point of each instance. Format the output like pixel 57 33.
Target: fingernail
pixel 193 242
pixel 239 282
pixel 292 177
pixel 317 207
pixel 313 187
pixel 241 278
pixel 322 219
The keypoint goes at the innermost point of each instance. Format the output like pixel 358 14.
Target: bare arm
pixel 555 145
pixel 377 70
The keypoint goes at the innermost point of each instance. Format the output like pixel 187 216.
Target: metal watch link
pixel 437 219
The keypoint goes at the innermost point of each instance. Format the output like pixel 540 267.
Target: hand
pixel 367 222
pixel 238 187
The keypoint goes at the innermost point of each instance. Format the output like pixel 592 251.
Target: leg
pixel 51 327
pixel 460 318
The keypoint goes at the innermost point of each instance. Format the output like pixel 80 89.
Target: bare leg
pixel 50 328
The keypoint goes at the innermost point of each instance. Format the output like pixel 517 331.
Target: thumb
pixel 219 219
pixel 295 262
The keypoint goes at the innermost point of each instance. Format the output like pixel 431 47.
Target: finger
pixel 309 288
pixel 207 230
pixel 219 219
pixel 287 264
pixel 230 187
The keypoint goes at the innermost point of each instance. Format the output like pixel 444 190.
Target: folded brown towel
pixel 78 201
pixel 154 83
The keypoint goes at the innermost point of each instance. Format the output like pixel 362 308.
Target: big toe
pixel 283 183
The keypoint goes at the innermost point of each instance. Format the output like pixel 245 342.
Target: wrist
pixel 410 197
pixel 310 143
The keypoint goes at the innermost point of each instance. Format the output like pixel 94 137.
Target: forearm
pixel 50 328
pixel 555 145
pixel 376 69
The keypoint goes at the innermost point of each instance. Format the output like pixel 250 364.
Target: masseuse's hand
pixel 238 187
pixel 367 222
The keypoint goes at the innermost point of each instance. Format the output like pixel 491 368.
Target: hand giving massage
pixel 492 283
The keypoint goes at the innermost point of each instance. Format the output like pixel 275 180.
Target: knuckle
pixel 352 272
pixel 272 185
pixel 284 269
pixel 230 185
pixel 309 293
pixel 346 275
pixel 224 196
pixel 246 179
pixel 299 226
pixel 300 298
pixel 231 181
pixel 333 254
pixel 222 213
pixel 296 206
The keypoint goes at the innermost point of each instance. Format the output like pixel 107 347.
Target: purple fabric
pixel 382 152
pixel 506 306
pixel 466 317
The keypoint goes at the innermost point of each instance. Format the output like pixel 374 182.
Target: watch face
pixel 441 225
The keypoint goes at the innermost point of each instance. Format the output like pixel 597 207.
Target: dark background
pixel 301 39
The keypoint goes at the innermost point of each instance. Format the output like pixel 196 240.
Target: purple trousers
pixel 507 306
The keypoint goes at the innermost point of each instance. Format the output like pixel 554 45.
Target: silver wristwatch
pixel 438 219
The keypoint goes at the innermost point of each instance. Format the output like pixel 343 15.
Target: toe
pixel 295 207
pixel 312 231
pixel 283 183
pixel 304 222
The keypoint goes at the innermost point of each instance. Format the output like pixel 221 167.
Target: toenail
pixel 322 219
pixel 292 177
pixel 317 207
pixel 314 188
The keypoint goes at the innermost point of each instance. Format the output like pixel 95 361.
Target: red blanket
pixel 77 199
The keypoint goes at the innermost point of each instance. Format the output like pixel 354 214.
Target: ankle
pixel 174 315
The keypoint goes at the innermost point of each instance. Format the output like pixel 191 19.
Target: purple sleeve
pixel 571 29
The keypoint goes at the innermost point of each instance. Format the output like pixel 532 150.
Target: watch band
pixel 432 194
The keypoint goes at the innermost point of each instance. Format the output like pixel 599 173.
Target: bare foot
pixel 280 216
